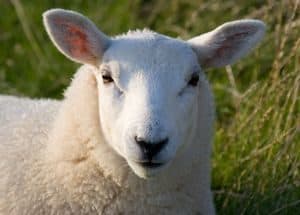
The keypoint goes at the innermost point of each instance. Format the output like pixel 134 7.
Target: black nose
pixel 150 149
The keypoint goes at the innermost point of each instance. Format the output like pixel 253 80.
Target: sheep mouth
pixel 150 164
pixel 146 168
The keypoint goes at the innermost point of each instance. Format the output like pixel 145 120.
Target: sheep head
pixel 148 83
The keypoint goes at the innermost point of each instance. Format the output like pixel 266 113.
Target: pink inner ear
pixel 231 43
pixel 75 39
pixel 78 41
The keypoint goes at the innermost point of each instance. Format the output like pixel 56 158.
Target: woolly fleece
pixel 55 161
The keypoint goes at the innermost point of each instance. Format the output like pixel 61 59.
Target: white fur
pixel 79 156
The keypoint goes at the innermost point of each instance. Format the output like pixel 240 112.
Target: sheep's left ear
pixel 227 43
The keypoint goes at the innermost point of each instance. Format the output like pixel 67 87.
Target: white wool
pixel 81 155
pixel 138 34
pixel 54 172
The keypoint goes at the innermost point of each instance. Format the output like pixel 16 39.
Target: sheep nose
pixel 150 149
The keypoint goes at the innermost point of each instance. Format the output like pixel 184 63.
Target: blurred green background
pixel 256 160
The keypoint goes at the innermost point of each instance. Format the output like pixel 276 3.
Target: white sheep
pixel 133 134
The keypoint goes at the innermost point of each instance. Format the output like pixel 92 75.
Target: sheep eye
pixel 194 80
pixel 107 79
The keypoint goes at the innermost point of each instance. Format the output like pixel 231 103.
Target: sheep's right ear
pixel 75 36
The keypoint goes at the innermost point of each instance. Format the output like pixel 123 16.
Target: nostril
pixel 138 139
pixel 163 142
pixel 150 149
pixel 142 143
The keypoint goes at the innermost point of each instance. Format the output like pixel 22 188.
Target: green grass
pixel 256 160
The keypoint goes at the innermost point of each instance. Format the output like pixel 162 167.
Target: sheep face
pixel 148 98
pixel 149 84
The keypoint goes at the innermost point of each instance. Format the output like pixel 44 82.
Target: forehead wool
pixel 152 52
pixel 139 34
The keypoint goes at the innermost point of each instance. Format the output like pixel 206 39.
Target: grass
pixel 256 160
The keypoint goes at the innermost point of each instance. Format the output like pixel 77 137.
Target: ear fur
pixel 75 36
pixel 227 43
